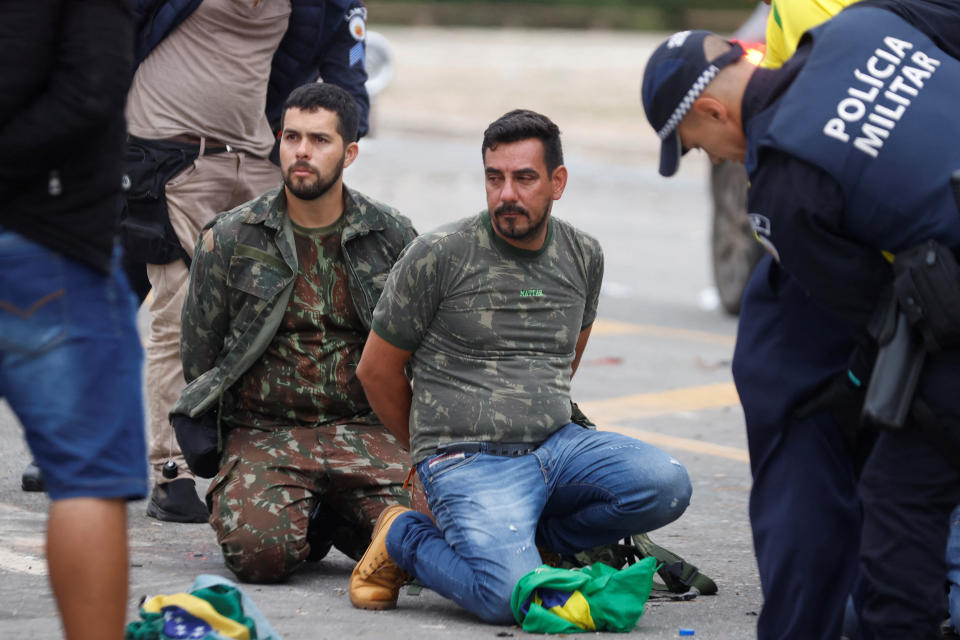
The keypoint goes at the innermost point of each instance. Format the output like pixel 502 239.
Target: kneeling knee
pixel 681 489
pixel 495 610
pixel 252 559
pixel 662 501
pixel 676 495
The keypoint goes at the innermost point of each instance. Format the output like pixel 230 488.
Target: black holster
pixel 921 316
pixel 145 229
pixel 927 286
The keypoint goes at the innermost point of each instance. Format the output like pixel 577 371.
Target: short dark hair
pixel 523 124
pixel 322 95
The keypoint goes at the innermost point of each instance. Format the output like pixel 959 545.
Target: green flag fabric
pixel 593 598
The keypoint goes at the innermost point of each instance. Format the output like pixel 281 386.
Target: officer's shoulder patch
pixel 357 23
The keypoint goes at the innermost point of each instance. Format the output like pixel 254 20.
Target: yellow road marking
pixel 684 444
pixel 615 328
pixel 646 405
pixel 612 412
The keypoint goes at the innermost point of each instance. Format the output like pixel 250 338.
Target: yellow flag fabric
pixel 202 609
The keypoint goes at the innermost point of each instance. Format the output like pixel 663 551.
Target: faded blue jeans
pixel 71 369
pixel 579 489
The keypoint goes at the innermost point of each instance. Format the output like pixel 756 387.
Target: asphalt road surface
pixel 657 366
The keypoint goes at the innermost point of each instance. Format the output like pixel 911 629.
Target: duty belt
pixel 506 449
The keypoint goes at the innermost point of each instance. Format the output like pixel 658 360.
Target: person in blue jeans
pixel 70 357
pixel 491 314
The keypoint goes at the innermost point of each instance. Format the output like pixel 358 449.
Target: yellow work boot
pixel 376 580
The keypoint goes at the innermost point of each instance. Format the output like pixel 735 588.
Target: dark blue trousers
pixel 804 509
pixel 909 490
pixel 804 506
pixel 805 516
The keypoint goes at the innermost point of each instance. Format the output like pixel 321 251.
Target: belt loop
pixel 408 481
pixel 203 145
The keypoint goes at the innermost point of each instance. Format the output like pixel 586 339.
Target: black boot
pixel 177 501
pixel 32 478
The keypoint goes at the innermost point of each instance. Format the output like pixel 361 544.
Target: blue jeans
pixel 581 488
pixel 71 368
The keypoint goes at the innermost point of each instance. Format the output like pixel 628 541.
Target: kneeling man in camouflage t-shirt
pixel 492 314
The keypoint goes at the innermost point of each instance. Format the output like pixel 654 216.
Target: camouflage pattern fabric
pixel 307 376
pixel 242 277
pixel 269 481
pixel 492 328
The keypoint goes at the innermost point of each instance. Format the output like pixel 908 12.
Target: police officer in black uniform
pixel 850 147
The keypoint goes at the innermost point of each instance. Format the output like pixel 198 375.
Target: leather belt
pixel 210 145
pixel 506 449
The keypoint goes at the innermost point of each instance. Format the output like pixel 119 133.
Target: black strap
pixel 505 449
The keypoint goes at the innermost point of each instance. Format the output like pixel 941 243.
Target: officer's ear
pixel 709 108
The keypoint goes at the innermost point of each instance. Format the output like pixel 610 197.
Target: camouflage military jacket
pixel 243 271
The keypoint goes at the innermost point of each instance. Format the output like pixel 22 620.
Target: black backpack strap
pixel 677 574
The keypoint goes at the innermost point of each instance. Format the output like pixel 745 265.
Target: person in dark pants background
pixel 70 358
pixel 801 136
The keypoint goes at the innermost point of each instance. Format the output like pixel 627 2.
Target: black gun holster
pixel 922 315
pixel 927 287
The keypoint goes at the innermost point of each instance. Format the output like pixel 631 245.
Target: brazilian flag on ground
pixel 215 609
pixel 593 598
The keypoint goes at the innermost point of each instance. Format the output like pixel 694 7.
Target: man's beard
pixel 509 229
pixel 305 190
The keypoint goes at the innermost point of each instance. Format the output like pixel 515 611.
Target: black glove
pixel 198 442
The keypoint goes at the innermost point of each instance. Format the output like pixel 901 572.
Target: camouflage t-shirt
pixel 493 330
pixel 307 376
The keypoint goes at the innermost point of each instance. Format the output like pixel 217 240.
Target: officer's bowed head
pixel 675 76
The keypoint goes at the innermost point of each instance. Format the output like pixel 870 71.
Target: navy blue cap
pixel 676 75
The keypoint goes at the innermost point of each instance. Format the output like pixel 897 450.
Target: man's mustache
pixel 300 165
pixel 511 208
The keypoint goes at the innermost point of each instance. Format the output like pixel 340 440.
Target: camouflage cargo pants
pixel 270 481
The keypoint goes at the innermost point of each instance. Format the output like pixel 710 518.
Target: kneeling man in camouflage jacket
pixel 275 318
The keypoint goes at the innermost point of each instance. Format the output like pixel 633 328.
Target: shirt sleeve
pixel 410 298
pixel 205 318
pixel 595 276
pixel 805 209
pixel 776 51
pixel 342 61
